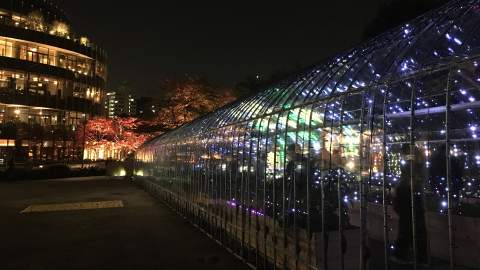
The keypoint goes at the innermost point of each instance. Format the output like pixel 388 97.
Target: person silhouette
pixel 402 205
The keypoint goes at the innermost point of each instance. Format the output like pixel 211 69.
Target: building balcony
pixel 80 45
pixel 49 70
pixel 25 99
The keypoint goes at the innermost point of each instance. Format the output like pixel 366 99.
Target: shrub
pixel 49 172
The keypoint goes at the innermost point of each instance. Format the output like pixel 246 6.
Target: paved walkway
pixel 75 230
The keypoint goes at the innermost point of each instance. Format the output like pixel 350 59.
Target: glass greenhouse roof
pixel 429 43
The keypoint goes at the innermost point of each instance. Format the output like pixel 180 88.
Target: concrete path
pixel 75 230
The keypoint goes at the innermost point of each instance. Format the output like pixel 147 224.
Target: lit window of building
pixel 44 105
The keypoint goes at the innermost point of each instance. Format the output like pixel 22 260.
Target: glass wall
pixel 48 55
pixel 369 161
pixel 38 135
pixel 22 83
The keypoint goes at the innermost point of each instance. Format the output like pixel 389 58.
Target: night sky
pixel 151 40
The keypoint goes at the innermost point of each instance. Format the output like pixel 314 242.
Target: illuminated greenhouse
pixel 368 161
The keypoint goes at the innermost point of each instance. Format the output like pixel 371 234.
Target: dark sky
pixel 151 40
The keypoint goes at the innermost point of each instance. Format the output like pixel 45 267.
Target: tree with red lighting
pixel 188 99
pixel 115 135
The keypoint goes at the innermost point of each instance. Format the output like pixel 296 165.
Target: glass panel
pixel 349 171
pixel 261 128
pixel 464 151
pixel 371 196
pixel 397 173
pixel 270 206
pixel 281 199
pixel 249 194
pixel 231 166
pixel 318 163
pixel 236 189
pixel 334 242
pixel 429 172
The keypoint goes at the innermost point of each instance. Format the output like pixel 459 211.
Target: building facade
pixel 370 160
pixel 51 82
pixel 120 104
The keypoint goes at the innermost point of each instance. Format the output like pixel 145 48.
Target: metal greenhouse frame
pixel 368 161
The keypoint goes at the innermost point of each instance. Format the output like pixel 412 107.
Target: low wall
pixel 291 249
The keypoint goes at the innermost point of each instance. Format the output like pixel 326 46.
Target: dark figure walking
pixel 402 204
pixel 327 223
